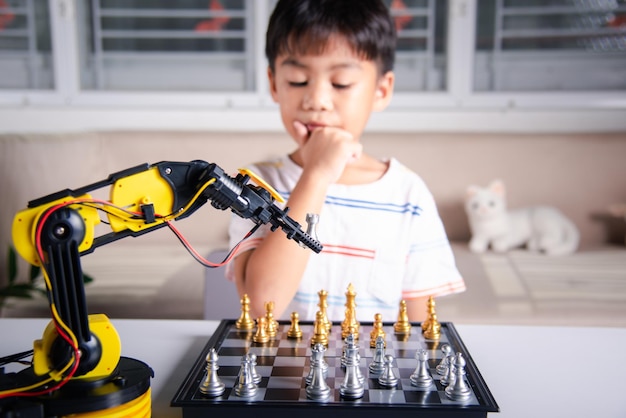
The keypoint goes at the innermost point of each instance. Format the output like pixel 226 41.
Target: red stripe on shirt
pixel 349 251
pixel 448 288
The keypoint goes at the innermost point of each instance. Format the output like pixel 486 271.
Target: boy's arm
pixel 273 270
pixel 416 309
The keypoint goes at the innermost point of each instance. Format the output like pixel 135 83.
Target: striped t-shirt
pixel 385 237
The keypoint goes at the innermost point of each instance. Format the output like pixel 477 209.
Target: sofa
pixel 581 174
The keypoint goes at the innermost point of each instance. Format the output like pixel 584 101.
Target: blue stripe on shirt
pixel 369 205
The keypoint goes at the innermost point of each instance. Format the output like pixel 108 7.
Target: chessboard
pixel 284 363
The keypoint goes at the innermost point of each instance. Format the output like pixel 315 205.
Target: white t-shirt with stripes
pixel 385 237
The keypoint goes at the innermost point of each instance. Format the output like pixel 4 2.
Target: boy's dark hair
pixel 304 26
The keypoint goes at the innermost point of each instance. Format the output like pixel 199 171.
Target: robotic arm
pixel 56 230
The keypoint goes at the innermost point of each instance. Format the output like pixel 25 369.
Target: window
pixel 421 54
pixel 208 45
pixel 158 45
pixel 25 47
pixel 551 45
pixel 461 65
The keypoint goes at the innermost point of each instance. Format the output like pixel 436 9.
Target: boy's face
pixel 335 88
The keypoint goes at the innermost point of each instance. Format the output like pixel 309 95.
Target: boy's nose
pixel 317 98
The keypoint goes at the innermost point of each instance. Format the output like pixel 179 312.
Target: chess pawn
pixel 421 377
pixel 245 321
pixel 294 330
pixel 387 377
pixel 270 323
pixel 212 386
pixel 377 330
pixel 320 335
pixel 261 336
pixel 402 326
pixel 323 305
pixel 433 330
pixel 430 305
pixel 458 390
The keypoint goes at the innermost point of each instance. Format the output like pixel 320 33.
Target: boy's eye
pixel 340 86
pixel 297 83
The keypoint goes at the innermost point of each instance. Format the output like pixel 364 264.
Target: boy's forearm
pixel 275 268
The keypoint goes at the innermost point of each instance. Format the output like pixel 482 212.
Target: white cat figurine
pixel 540 228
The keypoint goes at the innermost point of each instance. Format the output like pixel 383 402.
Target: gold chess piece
pixel 402 326
pixel 294 330
pixel 431 328
pixel 350 318
pixel 433 331
pixel 261 336
pixel 245 321
pixel 323 305
pixel 377 330
pixel 270 323
pixel 320 335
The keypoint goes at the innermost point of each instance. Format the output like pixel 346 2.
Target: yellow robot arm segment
pixel 25 226
pixel 137 191
pixel 101 329
pixel 260 182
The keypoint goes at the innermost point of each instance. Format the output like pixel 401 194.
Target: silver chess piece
pixel 387 377
pixel 459 390
pixel 317 387
pixel 421 376
pixel 212 385
pixel 448 377
pixel 442 367
pixel 312 220
pixel 377 365
pixel 245 387
pixel 352 386
pixel 256 377
pixel 317 357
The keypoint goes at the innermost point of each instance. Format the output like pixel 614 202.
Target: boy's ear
pixel 272 83
pixel 384 91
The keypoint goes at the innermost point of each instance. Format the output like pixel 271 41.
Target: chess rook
pixel 421 377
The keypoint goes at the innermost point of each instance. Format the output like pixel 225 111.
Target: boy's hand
pixel 326 150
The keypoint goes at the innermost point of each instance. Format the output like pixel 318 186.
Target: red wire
pixel 58 328
pixel 198 257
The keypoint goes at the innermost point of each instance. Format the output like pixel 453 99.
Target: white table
pixel 531 371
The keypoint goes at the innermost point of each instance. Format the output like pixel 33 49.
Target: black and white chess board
pixel 284 364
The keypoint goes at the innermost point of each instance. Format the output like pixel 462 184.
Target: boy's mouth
pixel 310 127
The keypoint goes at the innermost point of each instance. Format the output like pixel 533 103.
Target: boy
pixel 330 66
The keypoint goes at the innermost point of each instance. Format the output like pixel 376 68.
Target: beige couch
pixel 581 174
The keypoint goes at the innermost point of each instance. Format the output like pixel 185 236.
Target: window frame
pixel 457 109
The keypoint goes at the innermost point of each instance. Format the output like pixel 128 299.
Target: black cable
pixel 14 358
